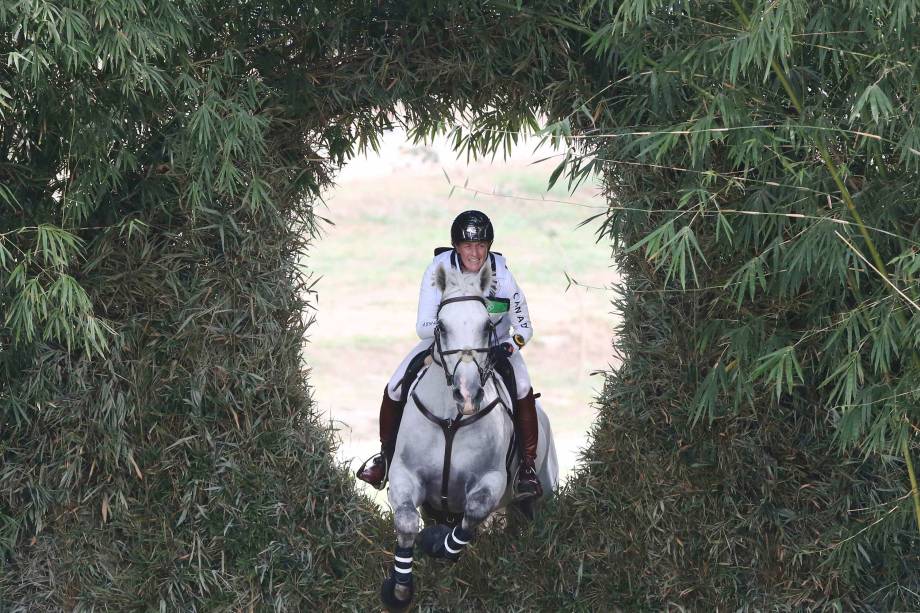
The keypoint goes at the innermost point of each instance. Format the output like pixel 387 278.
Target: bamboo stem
pixel 911 474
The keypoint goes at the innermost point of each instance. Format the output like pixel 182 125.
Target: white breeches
pixel 521 376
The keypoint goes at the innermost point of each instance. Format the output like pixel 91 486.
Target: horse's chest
pixel 469 455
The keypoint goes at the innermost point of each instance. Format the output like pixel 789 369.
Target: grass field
pixel 389 212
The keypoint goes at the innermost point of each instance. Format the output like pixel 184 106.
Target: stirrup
pixel 386 471
pixel 520 496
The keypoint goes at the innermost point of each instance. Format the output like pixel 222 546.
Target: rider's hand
pixel 500 351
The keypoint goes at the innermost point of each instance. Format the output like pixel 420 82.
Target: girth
pixel 449 427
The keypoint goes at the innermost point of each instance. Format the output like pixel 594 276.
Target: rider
pixel 471 235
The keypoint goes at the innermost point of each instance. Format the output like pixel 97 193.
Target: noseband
pixel 440 354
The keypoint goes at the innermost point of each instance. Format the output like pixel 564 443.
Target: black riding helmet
pixel 471 226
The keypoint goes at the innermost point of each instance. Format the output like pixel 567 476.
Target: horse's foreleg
pixel 481 500
pixel 397 591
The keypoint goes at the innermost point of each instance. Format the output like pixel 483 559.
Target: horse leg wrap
pixel 397 591
pixel 402 565
pixel 455 541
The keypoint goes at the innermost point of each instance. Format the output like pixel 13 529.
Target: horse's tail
pixel 548 471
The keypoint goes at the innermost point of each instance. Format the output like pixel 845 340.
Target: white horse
pixel 454 436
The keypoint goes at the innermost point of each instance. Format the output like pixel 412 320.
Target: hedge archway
pixel 160 166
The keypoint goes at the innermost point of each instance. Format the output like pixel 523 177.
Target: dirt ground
pixel 387 214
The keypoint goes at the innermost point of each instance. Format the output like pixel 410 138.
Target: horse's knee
pixel 479 505
pixel 407 521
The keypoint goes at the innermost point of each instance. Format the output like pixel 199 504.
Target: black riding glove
pixel 502 351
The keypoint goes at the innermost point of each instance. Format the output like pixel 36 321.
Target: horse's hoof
pixel 397 596
pixel 432 540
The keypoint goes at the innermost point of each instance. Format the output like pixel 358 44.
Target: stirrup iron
pixel 386 471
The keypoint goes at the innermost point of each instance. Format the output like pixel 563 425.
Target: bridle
pixel 440 355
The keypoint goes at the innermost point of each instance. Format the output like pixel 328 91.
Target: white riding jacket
pixel 507 304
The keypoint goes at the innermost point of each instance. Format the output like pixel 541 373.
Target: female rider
pixel 471 235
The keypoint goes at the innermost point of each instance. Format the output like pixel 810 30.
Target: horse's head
pixel 464 334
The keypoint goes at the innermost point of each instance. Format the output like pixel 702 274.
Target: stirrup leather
pixel 386 470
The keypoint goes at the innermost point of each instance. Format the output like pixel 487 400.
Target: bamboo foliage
pixel 805 124
pixel 160 165
pixel 151 298
pixel 769 176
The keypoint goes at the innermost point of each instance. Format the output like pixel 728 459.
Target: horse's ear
pixel 440 278
pixel 485 278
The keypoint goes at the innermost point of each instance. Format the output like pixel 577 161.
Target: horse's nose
pixel 477 398
pixel 458 395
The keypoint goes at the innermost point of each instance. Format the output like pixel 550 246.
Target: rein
pixel 449 427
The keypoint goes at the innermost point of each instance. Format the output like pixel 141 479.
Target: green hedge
pixel 160 166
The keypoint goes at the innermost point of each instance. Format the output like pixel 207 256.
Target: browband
pixel 463 299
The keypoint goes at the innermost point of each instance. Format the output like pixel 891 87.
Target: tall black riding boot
pixel 528 484
pixel 390 416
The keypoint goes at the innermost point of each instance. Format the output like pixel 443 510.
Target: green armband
pixel 498 306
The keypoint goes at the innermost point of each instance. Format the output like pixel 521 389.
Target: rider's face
pixel 472 255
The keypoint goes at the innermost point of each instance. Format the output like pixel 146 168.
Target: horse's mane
pixel 454 283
